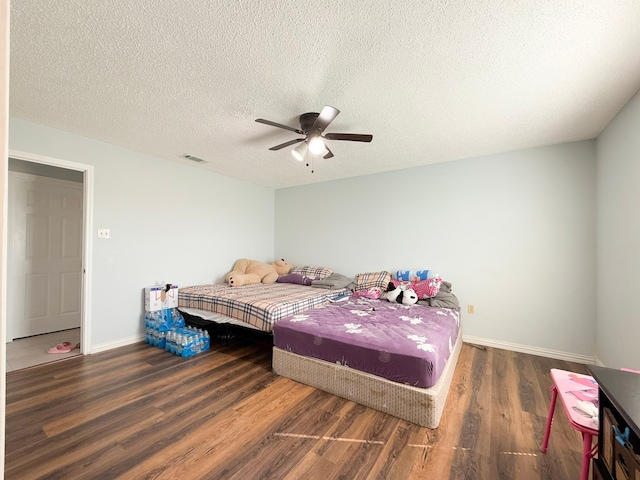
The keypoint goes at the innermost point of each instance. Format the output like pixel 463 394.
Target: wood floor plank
pixel 387 464
pixel 284 444
pixel 139 412
pixel 189 436
pixel 358 447
pixel 203 453
pixel 504 416
pixel 473 453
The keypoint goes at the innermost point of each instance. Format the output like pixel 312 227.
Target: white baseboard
pixel 542 352
pixel 103 347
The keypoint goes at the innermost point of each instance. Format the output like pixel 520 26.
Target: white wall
pixel 618 306
pixel 514 233
pixel 169 222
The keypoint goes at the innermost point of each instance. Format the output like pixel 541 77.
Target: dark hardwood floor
pixel 138 412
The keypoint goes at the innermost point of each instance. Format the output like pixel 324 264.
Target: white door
pixel 45 255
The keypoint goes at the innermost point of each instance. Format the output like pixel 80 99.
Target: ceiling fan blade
pixel 353 137
pixel 286 144
pixel 329 154
pixel 279 125
pixel 325 117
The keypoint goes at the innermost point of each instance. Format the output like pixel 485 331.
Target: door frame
pixel 87 240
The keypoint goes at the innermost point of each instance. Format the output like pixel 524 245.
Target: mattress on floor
pixel 423 406
pixel 258 305
pixel 404 344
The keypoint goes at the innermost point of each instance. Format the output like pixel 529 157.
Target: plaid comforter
pixel 259 305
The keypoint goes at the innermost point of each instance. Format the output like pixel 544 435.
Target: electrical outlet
pixel 471 309
pixel 103 233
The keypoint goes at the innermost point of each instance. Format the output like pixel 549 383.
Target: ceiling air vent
pixel 193 159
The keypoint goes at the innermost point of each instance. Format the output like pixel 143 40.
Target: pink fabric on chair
pixel 629 370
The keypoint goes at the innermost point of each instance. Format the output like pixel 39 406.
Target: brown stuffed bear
pixel 246 272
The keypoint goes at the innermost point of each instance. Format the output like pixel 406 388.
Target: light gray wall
pixel 514 233
pixel 618 263
pixel 169 222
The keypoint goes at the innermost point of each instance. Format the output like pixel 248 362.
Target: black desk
pixel 619 400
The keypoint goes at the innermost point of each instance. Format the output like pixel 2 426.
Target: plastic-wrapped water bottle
pixel 192 345
pixel 151 319
pixel 199 342
pixel 176 318
pixel 174 344
pixel 178 344
pixel 185 352
pixel 184 345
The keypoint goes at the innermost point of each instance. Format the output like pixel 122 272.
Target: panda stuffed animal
pixel 400 295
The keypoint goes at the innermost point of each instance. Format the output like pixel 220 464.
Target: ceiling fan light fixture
pixel 300 151
pixel 312 127
pixel 316 145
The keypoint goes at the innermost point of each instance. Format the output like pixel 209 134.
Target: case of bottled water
pixel 166 329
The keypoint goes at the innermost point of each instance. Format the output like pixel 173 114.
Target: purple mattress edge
pixel 405 344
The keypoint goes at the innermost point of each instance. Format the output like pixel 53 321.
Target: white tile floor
pixel 32 351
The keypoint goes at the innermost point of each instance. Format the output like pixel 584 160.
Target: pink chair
pixel 575 388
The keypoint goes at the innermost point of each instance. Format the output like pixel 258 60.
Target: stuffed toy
pixel 424 288
pixel 401 294
pixel 247 272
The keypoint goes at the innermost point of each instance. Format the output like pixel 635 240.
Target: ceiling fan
pixel 312 126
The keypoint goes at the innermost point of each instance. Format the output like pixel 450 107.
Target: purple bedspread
pixel 406 344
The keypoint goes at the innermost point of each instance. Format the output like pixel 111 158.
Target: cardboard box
pixel 159 297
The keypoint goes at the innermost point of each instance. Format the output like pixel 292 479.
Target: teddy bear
pixel 401 294
pixel 247 272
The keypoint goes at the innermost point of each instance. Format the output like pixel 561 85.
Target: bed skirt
pixel 423 406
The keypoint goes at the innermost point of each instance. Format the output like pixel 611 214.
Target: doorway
pixel 48 288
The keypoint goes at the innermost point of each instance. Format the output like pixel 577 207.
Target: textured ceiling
pixel 431 81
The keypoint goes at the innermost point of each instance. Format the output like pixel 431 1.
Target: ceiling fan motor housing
pixel 307 120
